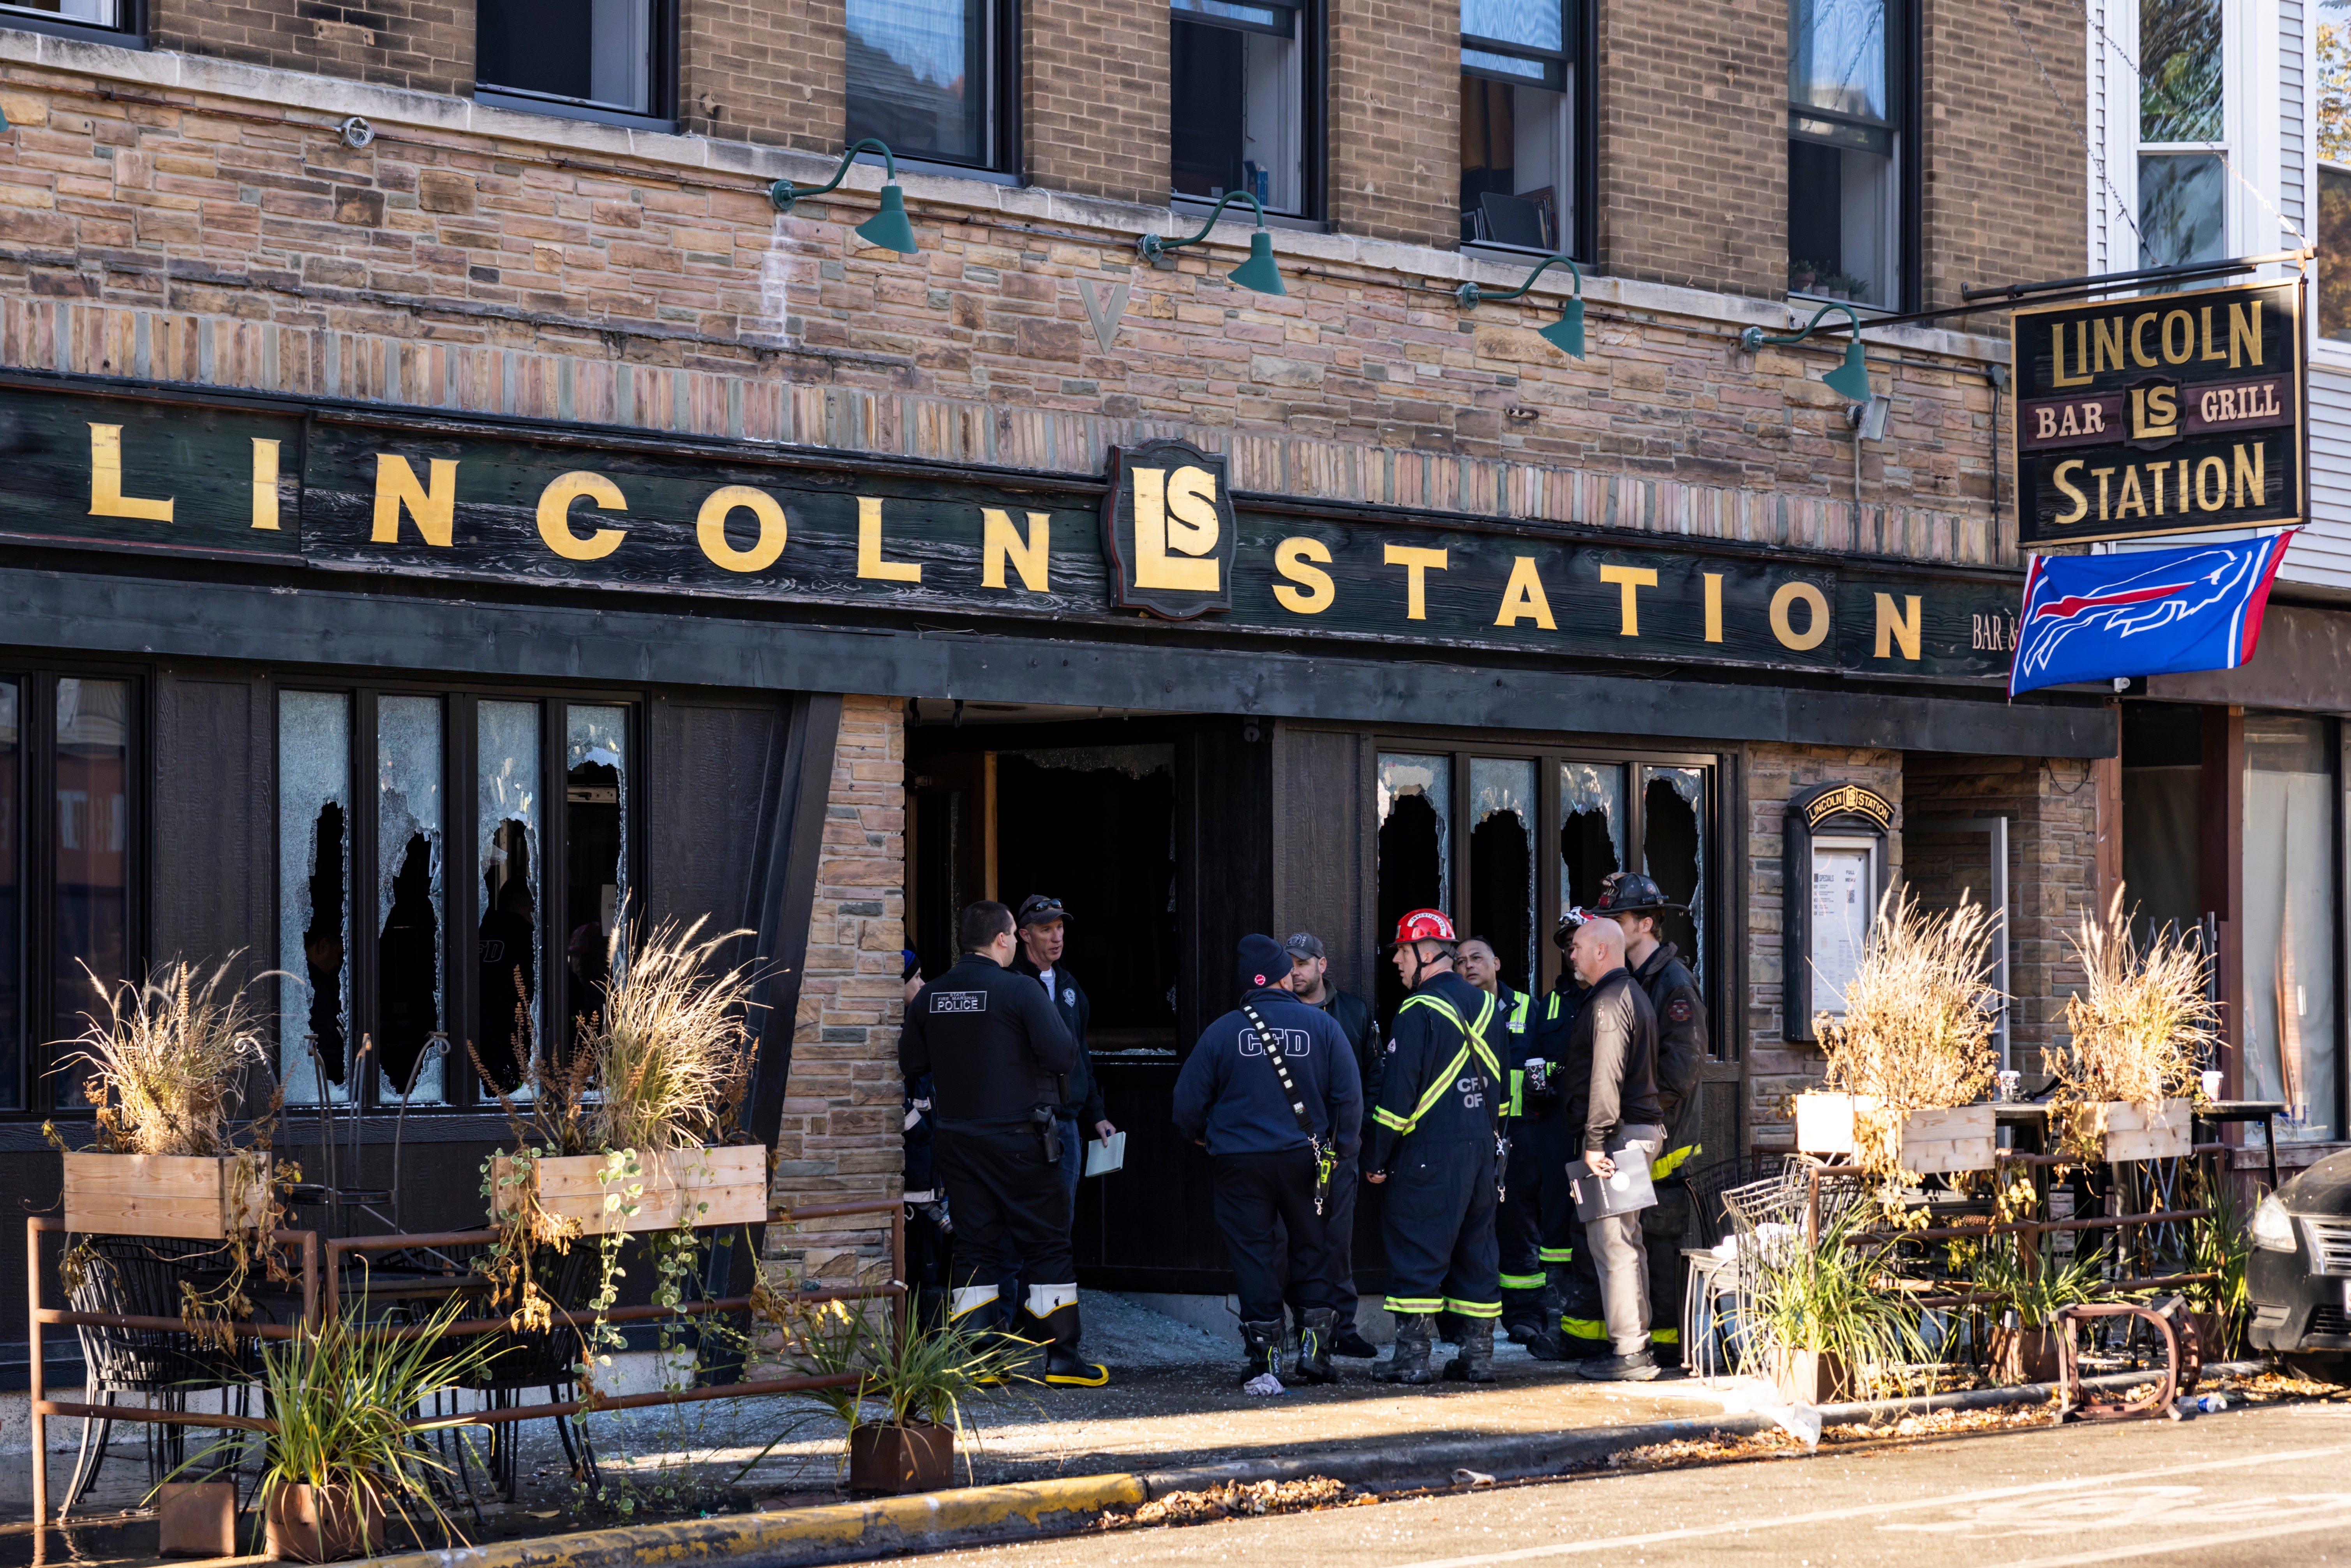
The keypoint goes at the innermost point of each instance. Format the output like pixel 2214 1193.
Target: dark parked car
pixel 2299 1273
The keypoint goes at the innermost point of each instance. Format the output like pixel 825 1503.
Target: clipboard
pixel 1102 1158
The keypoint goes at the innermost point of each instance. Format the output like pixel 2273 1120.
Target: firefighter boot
pixel 1314 1341
pixel 1474 1362
pixel 1522 1315
pixel 1262 1345
pixel 1409 1359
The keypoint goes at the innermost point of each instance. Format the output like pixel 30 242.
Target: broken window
pixel 2290 923
pixel 1673 852
pixel 595 848
pixel 411 1046
pixel 314 796
pixel 1590 830
pixel 11 896
pixel 1416 828
pixel 1502 864
pixel 507 823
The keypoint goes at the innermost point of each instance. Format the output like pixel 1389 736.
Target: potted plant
pixel 905 1410
pixel 1913 1053
pixel 1801 275
pixel 1829 1322
pixel 2023 1344
pixel 1845 286
pixel 166 1065
pixel 2220 1247
pixel 2137 1031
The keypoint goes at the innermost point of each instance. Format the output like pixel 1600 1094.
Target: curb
pixel 981 1516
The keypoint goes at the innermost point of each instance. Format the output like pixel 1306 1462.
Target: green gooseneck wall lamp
pixel 1258 274
pixel 1566 334
pixel 885 230
pixel 1849 380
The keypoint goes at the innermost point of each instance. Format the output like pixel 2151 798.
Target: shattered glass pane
pixel 507 814
pixel 1134 761
pixel 12 893
pixel 1502 864
pixel 410 849
pixel 1416 828
pixel 1673 852
pixel 596 861
pixel 1591 830
pixel 314 793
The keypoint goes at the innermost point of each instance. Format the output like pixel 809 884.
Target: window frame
pixel 131 35
pixel 1714 897
pixel 1004 165
pixel 660 71
pixel 465 1093
pixel 1313 118
pixel 1905 88
pixel 1579 230
pixel 37 945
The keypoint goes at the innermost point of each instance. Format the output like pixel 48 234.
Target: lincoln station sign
pixel 1162 538
pixel 2163 413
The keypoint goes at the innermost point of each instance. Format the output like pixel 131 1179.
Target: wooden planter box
pixel 1810 1376
pixel 916 1457
pixel 2130 1132
pixel 724 1185
pixel 1934 1143
pixel 183 1195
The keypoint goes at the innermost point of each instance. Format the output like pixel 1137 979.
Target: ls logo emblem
pixel 1168 529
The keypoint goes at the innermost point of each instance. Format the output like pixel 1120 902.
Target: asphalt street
pixel 2264 1486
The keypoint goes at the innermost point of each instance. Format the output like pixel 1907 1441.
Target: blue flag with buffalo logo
pixel 2150 612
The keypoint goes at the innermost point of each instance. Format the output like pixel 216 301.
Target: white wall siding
pixel 2322 554
pixel 2292 122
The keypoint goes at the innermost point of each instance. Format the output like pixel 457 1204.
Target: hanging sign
pixel 2162 413
pixel 1168 529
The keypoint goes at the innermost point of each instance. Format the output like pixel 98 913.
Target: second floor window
pixel 1518 111
pixel 595 59
pixel 1238 87
pixel 926 77
pixel 1849 147
pixel 2181 133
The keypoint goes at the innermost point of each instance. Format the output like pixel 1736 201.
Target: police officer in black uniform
pixel 1276 1153
pixel 1310 982
pixel 1636 901
pixel 995 1050
pixel 1433 1144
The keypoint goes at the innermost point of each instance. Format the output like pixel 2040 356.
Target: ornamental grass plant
pixel 1919 1022
pixel 167 1060
pixel 2141 1026
pixel 1837 1296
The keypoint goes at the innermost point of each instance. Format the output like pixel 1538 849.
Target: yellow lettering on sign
pixel 1313 592
pixel 1176 512
pixel 2139 356
pixel 265 484
pixel 555 515
pixel 105 497
pixel 2250 473
pixel 1816 621
pixel 2211 468
pixel 1001 542
pixel 1417 564
pixel 1713 606
pixel 1524 599
pixel 2187 338
pixel 2208 353
pixel 1897 629
pixel 2080 502
pixel 435 506
pixel 2246 332
pixel 2110 343
pixel 710 528
pixel 1628 581
pixel 869 547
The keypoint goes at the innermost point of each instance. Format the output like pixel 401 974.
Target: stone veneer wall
pixel 840 1137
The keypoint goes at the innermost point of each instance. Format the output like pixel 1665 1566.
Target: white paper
pixel 1841 911
pixel 1102 1158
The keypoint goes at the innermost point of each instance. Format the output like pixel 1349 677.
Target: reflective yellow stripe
pixel 1584 1328
pixel 1551 1014
pixel 1555 1254
pixel 1440 1087
pixel 1474 1309
pixel 1665 1336
pixel 1389 1119
pixel 1474 1032
pixel 1518 1092
pixel 1522 1282
pixel 1673 1161
pixel 1413 1306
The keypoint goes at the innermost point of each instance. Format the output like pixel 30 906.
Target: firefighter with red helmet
pixel 1432 1142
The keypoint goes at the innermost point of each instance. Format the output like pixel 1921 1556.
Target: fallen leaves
pixel 1237 1499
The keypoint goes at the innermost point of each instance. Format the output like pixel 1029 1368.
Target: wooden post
pixel 2219 869
pixel 988 825
pixel 35 1389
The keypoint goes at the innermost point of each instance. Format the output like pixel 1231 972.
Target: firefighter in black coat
pixel 994 1051
pixel 1432 1143
pixel 1546 1237
pixel 1309 971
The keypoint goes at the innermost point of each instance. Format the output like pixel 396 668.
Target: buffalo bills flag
pixel 2149 613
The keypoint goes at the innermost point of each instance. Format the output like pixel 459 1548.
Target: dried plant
pixel 669 1052
pixel 1919 1020
pixel 167 1060
pixel 2142 1026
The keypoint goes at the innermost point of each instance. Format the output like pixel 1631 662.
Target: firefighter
pixel 1547 1239
pixel 1432 1146
pixel 1311 983
pixel 1636 901
pixel 995 1050
pixel 1517 1224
